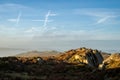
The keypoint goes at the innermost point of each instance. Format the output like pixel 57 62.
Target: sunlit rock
pixel 83 55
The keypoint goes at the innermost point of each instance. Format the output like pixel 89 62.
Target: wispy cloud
pixel 31 30
pixel 12 7
pixel 43 29
pixel 100 15
pixel 12 20
pixel 102 20
pixel 98 12
pixel 76 35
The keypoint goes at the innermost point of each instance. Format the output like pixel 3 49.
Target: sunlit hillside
pixel 63 67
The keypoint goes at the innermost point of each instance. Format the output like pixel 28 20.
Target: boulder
pixel 83 55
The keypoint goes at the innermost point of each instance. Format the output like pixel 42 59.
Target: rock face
pixel 113 61
pixel 83 55
pixel 105 55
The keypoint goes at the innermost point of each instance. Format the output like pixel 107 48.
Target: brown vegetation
pixel 56 68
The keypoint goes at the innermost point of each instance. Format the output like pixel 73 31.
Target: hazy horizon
pixel 109 46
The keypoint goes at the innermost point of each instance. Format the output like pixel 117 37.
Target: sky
pixel 51 24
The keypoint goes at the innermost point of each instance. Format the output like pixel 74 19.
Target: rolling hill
pixel 38 54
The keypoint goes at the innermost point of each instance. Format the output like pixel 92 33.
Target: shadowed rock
pixel 83 55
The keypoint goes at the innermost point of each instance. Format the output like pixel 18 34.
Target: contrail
pixel 18 18
pixel 46 18
pixel 41 20
pixel 38 20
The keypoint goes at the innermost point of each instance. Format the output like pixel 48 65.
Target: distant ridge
pixel 36 53
pixel 2 48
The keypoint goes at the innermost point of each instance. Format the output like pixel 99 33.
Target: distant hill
pixel 7 49
pixel 38 54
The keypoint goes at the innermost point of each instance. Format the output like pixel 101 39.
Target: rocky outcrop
pixel 113 61
pixel 83 55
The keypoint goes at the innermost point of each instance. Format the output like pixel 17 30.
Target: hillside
pixel 38 54
pixel 61 67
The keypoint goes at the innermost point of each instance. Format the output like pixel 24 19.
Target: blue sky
pixel 24 22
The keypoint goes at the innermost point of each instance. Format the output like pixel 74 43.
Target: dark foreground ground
pixel 19 68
